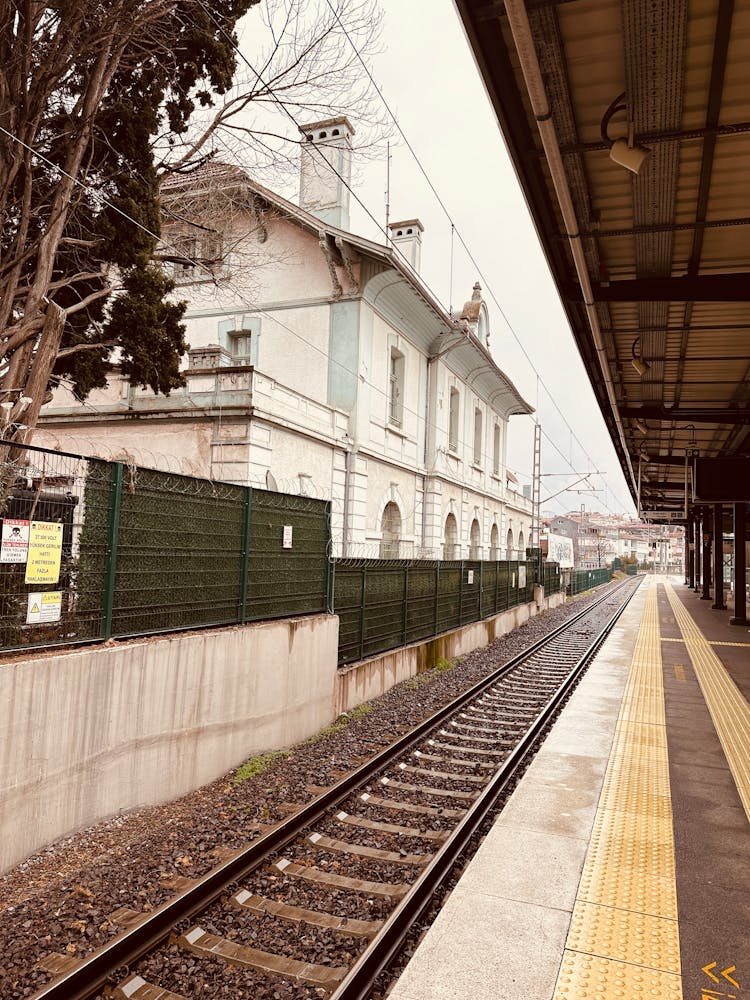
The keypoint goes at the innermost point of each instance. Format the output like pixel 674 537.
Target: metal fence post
pixel 246 519
pixel 331 564
pixel 481 590
pixel 362 614
pixel 113 528
pixel 406 600
pixel 497 583
pixel 437 597
pixel 461 595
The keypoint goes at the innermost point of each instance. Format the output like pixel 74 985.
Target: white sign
pixel 286 541
pixel 15 542
pixel 521 576
pixel 560 550
pixel 44 607
pixel 470 576
pixel 663 515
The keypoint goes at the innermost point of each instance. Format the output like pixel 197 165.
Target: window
pixel 453 421
pixel 390 526
pixel 475 541
pixel 450 538
pixel 241 340
pixel 509 545
pixel 396 388
pixel 494 543
pixel 496 450
pixel 185 267
pixel 477 436
pixel 521 550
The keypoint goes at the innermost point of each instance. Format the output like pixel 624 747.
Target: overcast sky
pixel 428 76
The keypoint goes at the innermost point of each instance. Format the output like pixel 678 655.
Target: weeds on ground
pixel 358 712
pixel 257 765
pixel 441 667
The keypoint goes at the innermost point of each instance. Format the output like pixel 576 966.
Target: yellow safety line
pixel 623 939
pixel 729 709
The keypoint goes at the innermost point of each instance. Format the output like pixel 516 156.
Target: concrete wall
pixel 370 678
pixel 92 732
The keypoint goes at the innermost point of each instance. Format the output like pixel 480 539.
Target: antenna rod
pixel 387 192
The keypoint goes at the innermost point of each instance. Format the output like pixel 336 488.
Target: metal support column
pixel 697 543
pixel 706 554
pixel 719 604
pixel 740 566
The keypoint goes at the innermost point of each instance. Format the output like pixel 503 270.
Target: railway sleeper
pixel 136 988
pixel 473 779
pixel 447 793
pixel 260 906
pixel 387 890
pixel 402 831
pixel 202 943
pixel 375 800
pixel 362 851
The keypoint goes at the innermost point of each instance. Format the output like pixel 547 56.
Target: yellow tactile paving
pixel 729 710
pixel 635 938
pixel 623 940
pixel 586 977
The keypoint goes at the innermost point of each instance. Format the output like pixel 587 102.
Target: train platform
pixel 620 866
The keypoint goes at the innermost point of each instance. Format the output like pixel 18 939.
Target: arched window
pixel 450 540
pixel 475 540
pixel 390 526
pixel 494 543
pixel 509 545
pixel 521 550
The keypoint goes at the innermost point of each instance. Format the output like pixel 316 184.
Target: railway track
pixel 325 899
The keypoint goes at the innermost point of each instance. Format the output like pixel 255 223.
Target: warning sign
pixel 45 549
pixel 15 542
pixel 46 607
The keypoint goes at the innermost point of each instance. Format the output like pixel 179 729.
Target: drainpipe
pixel 524 42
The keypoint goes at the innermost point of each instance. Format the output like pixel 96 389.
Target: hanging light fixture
pixel 625 151
pixel 637 361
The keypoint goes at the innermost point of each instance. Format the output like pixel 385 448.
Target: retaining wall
pixel 90 733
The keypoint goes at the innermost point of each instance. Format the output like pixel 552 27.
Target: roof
pixel 653 267
pixel 219 174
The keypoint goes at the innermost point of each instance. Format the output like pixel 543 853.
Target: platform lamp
pixel 637 360
pixel 624 151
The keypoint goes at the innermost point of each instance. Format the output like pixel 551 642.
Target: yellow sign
pixel 45 549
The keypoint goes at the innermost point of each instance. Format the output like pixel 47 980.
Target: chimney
pixel 326 170
pixel 407 238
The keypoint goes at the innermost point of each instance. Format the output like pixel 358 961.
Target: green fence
pixel 94 549
pixel 587 579
pixel 385 604
pixel 551 579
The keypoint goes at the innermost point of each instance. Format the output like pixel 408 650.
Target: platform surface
pixel 620 867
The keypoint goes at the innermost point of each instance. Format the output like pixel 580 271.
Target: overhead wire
pixel 251 307
pixel 455 230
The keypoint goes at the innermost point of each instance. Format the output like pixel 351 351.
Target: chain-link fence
pixel 92 550
pixel 383 604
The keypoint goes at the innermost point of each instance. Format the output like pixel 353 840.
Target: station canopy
pixel 628 122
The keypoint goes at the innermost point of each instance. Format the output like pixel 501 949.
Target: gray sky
pixel 428 76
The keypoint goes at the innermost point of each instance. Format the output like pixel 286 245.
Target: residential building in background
pixel 598 539
pixel 320 364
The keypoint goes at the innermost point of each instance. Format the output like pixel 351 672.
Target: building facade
pixel 320 364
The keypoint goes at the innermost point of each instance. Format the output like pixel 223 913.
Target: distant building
pixel 320 362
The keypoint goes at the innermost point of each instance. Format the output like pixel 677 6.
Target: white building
pixel 321 363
